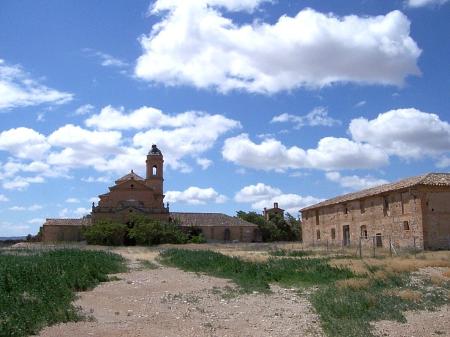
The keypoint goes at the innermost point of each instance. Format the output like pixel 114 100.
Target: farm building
pixel 413 211
pixel 133 195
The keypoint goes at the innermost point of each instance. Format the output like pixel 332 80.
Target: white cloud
pixel 18 89
pixel 407 133
pixel 330 154
pixel 91 179
pixel 106 60
pixel 31 208
pixel 21 183
pixel 360 104
pixel 204 163
pixel 10 229
pixel 195 196
pixel 74 213
pixel 443 162
pixel 422 3
pixel 262 195
pixel 3 198
pixel 24 143
pixel 317 117
pixel 72 200
pixel 195 44
pixel 84 109
pixel 355 182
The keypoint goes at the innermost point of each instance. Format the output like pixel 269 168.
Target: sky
pixel 251 101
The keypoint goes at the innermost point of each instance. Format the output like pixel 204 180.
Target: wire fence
pixel 371 246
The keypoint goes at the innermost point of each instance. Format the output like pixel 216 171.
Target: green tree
pixel 105 233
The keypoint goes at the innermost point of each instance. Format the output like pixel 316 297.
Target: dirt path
pixel 169 302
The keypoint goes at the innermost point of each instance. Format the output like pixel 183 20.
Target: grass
pixel 347 299
pixel 256 276
pixel 147 264
pixel 37 288
pixel 290 253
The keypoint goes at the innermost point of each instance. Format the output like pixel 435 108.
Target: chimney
pixel 275 205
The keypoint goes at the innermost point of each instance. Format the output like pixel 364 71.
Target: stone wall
pixel 437 219
pixel 395 216
pixel 236 233
pixel 61 233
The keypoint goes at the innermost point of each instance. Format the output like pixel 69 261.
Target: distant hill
pixel 12 238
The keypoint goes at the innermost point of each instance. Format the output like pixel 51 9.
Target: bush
pixel 149 232
pixel 105 233
pixel 200 238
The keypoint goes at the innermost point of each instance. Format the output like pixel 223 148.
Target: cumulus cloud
pixel 195 44
pixel 317 117
pixel 72 200
pixel 24 143
pixel 195 196
pixel 422 3
pixel 84 109
pixel 21 183
pixel 31 208
pixel 262 195
pixel 3 198
pixel 407 133
pixel 19 89
pixel 106 60
pixel 330 154
pixel 354 182
pixel 36 221
pixel 74 213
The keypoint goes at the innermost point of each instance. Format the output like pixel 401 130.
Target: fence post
pixel 373 244
pixel 390 246
pixel 327 246
pixel 415 252
pixel 360 248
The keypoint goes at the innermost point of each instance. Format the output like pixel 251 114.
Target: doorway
pixel 346 235
pixel 226 235
pixel 379 240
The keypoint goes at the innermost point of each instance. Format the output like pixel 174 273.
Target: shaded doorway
pixel 346 235
pixel 378 240
pixel 127 241
pixel 226 235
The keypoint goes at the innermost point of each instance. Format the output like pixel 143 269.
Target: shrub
pixel 105 233
pixel 150 232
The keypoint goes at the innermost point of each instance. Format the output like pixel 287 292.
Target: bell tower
pixel 155 177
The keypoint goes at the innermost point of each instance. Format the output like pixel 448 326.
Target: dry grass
pixel 411 264
pixel 353 283
pixel 357 266
pixel 406 294
pixel 438 280
pixel 380 275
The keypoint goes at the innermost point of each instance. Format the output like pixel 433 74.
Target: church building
pixel 134 195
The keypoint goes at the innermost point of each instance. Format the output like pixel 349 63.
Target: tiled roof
pixel 68 222
pixel 209 219
pixel 129 176
pixel 430 179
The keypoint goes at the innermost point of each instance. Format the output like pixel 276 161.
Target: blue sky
pixel 250 101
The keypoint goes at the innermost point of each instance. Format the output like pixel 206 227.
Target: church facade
pixel 134 195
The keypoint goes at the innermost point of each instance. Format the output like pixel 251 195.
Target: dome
pixel 155 151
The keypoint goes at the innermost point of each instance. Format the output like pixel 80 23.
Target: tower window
pixel 154 169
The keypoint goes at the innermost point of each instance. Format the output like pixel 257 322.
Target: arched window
pixel 318 235
pixel 155 168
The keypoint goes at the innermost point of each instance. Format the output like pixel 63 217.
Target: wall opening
pixel 406 225
pixel 317 217
pixel 318 235
pixel 346 235
pixel 154 170
pixel 362 206
pixel 333 234
pixel 379 240
pixel 364 232
pixel 226 234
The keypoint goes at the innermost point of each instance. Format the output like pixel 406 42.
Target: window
pixel 361 206
pixel 154 170
pixel 132 186
pixel 317 217
pixel 385 206
pixel 333 233
pixel 318 235
pixel 406 225
pixel 345 209
pixel 363 232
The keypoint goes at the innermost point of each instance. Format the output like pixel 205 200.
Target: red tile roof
pixel 209 219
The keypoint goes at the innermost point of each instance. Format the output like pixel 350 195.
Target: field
pixel 263 290
pixel 37 288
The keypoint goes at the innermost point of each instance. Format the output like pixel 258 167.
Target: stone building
pixel 268 212
pixel 133 195
pixel 413 210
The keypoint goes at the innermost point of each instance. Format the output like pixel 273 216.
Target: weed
pixel 37 288
pixel 255 276
pixel 290 253
pixel 146 264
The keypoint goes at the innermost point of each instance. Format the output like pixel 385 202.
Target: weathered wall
pixel 237 233
pixel 60 233
pixel 436 208
pixel 371 212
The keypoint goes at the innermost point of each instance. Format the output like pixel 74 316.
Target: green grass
pixel 255 276
pixel 146 264
pixel 290 253
pixel 37 288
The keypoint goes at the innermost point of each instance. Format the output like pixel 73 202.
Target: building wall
pixel 60 233
pixel 396 216
pixel 436 207
pixel 236 233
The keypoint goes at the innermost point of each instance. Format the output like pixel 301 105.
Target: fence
pixel 370 246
